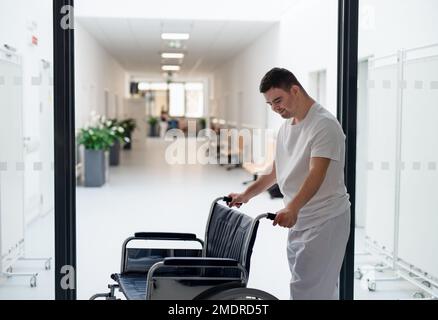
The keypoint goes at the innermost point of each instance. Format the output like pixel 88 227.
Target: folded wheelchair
pixel 219 270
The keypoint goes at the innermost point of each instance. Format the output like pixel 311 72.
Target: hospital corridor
pixel 218 150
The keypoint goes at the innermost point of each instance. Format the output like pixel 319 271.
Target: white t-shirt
pixel 320 135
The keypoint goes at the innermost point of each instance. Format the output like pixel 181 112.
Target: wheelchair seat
pixel 223 261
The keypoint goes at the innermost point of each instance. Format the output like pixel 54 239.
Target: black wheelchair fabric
pixel 227 232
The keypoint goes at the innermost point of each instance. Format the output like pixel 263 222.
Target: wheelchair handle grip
pixel 228 199
pixel 271 216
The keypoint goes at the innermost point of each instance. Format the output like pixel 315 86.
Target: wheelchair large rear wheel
pixel 241 294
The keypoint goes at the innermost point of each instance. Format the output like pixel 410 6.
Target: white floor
pixel 146 194
pixel 39 244
pixel 390 289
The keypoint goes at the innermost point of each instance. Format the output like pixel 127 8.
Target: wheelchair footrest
pixel 133 285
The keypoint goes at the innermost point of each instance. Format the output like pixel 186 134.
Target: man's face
pixel 282 102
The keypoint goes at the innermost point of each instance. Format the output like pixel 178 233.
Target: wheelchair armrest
pixel 155 236
pixel 204 262
pixel 165 236
pixel 197 263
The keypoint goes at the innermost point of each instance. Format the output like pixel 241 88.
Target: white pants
pixel 315 259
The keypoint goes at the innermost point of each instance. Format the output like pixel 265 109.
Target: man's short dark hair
pixel 279 78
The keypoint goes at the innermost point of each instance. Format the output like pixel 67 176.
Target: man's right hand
pixel 237 199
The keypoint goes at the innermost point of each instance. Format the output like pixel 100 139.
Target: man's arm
pixel 263 183
pixel 317 172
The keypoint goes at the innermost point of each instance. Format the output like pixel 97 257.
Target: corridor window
pixel 194 100
pixel 186 100
pixel 176 100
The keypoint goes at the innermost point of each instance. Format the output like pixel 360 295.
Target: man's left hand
pixel 286 218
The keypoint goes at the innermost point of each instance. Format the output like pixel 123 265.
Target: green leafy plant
pixel 203 123
pixel 116 130
pixel 96 138
pixel 129 125
pixel 152 121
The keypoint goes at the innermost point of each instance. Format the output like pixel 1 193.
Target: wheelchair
pixel 219 270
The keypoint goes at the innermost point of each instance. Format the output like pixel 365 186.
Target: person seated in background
pixel 164 123
pixel 173 124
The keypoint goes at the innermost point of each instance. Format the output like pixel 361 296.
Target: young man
pixel 309 169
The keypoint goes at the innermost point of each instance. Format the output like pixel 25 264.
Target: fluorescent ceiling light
pixel 168 55
pixel 171 68
pixel 175 36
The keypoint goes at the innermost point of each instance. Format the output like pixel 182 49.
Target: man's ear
pixel 294 90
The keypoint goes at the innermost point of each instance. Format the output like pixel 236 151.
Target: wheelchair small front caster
pixel 33 282
pixel 427 284
pixel 358 274
pixel 48 265
pixel 372 286
pixel 379 267
pixel 419 295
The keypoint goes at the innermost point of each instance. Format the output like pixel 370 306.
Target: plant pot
pixel 153 130
pixel 94 170
pixel 202 125
pixel 115 154
pixel 128 145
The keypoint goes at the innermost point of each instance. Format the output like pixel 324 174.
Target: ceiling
pixel 237 10
pixel 136 42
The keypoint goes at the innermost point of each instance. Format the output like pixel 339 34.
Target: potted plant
pixel 96 140
pixel 202 123
pixel 117 133
pixel 153 122
pixel 129 125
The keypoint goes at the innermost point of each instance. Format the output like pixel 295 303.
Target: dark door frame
pixel 348 33
pixel 64 126
pixel 65 175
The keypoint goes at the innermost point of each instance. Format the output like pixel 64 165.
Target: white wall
pixel 17 15
pixel 19 21
pixel 95 72
pixel 243 74
pixel 390 25
pixel 15 30
pixel 28 196
pixel 308 43
pixel 304 41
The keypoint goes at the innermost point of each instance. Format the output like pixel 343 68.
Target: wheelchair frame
pixel 232 286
